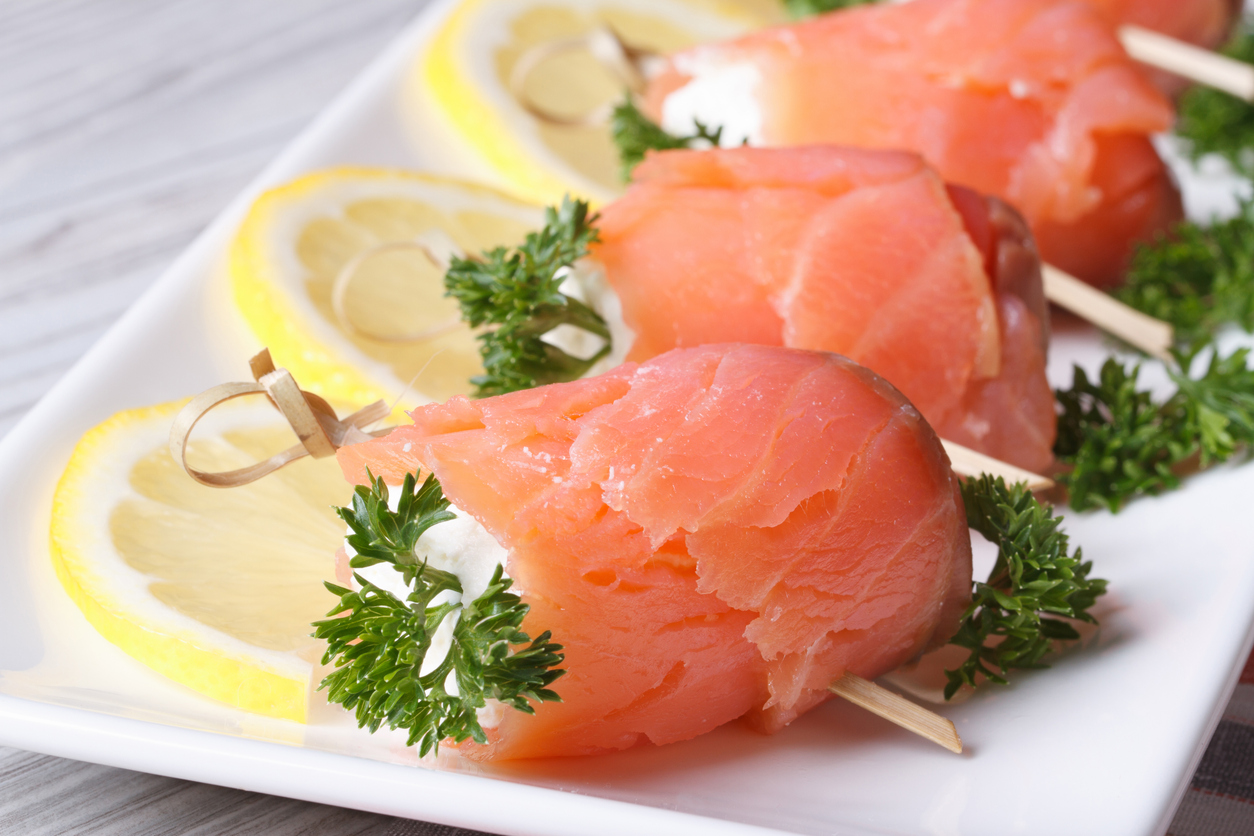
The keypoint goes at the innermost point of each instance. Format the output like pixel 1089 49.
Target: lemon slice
pixel 297 239
pixel 468 65
pixel 213 588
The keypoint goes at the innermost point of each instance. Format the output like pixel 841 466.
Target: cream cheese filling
pixel 586 282
pixel 464 548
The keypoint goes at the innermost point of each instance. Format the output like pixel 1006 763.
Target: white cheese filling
pixel 462 547
pixel 586 282
pixel 721 94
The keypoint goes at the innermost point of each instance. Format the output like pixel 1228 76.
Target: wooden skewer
pixel 1153 336
pixel 1198 65
pixel 899 710
pixel 969 464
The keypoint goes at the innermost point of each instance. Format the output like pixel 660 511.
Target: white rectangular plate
pixel 1103 743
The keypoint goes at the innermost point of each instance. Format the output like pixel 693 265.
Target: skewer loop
pixel 439 249
pixel 320 432
pixel 627 64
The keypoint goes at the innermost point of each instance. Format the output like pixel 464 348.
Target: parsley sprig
pixel 1198 278
pixel 636 134
pixel 1018 613
pixel 516 291
pixel 1212 122
pixel 1119 443
pixel 808 8
pixel 378 642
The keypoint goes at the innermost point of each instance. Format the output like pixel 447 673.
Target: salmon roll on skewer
pixel 865 253
pixel 719 532
pixel 1033 101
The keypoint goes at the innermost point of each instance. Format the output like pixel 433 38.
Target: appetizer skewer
pixel 606 526
pixel 1057 126
pixel 1115 439
pixel 1088 143
pixel 1175 36
pixel 865 253
pixel 449 709
pixel 691 301
pixel 1002 408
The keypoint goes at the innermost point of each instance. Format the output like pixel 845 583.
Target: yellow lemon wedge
pixel 395 325
pixel 215 589
pixel 468 65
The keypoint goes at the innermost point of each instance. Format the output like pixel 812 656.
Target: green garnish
pixel 1035 583
pixel 1212 122
pixel 635 135
pixel 1120 443
pixel 798 9
pixel 379 646
pixel 1198 278
pixel 517 291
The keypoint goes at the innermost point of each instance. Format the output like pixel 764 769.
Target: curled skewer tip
pixel 313 420
pixel 630 66
pixel 439 249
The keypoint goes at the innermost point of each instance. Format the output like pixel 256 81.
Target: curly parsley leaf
pixel 808 8
pixel 517 293
pixel 1198 278
pixel 635 135
pixel 1212 122
pixel 1119 443
pixel 378 642
pixel 1217 408
pixel 1017 614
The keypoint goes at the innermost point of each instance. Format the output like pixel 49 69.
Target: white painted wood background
pixel 125 125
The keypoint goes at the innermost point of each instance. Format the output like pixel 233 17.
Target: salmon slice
pixel 1033 101
pixel 864 253
pixel 719 532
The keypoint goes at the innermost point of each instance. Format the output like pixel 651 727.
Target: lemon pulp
pixel 215 589
pixel 298 238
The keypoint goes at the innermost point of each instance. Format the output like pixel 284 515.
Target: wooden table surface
pixel 124 128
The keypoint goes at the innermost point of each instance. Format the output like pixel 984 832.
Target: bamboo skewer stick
pixel 1153 336
pixel 969 464
pixel 1198 65
pixel 899 710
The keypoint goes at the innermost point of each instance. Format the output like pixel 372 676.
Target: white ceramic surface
pixel 1103 743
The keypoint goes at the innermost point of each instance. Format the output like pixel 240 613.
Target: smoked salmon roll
pixel 1033 101
pixel 719 532
pixel 865 253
